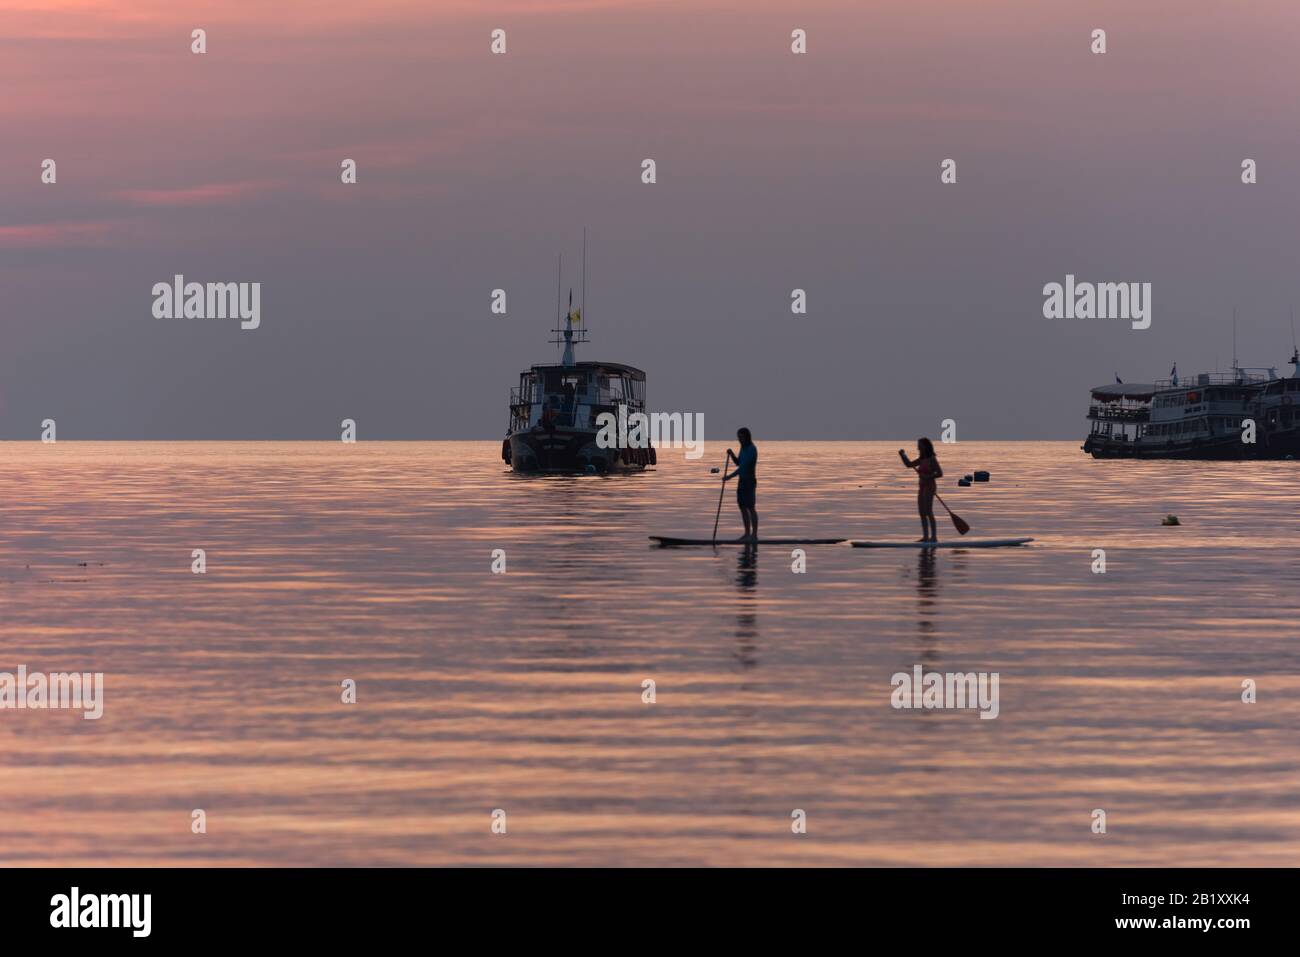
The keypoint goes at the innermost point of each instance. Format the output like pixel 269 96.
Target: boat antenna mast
pixel 559 274
pixel 1235 371
pixel 1295 349
pixel 574 330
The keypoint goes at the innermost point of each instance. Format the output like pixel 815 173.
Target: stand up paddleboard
pixel 666 542
pixel 950 543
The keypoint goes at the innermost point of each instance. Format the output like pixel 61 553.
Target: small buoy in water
pixel 1171 520
pixel 713 471
pixel 968 479
pixel 963 482
pixel 981 476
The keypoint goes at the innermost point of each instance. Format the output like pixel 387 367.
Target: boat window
pixel 561 383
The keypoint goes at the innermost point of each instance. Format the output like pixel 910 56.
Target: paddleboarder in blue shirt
pixel 747 487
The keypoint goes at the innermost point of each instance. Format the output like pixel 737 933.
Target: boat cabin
pixel 1119 412
pixel 572 396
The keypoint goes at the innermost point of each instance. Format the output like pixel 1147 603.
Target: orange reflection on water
pixel 523 691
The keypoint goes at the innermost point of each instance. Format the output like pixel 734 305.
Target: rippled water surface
pixel 523 691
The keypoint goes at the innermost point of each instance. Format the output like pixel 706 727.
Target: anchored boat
pixel 1203 417
pixel 554 410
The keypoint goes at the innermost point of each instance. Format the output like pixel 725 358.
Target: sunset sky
pixel 775 171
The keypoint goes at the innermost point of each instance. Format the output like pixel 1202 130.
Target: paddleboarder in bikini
pixel 747 487
pixel 928 470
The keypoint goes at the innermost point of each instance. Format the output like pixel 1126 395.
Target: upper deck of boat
pixel 1135 392
pixel 614 367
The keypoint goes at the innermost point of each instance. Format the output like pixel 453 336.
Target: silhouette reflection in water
pixel 747 605
pixel 927 602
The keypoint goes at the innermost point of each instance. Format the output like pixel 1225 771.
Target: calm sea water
pixel 523 691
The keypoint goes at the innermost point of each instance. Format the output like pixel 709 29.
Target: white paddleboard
pixel 948 543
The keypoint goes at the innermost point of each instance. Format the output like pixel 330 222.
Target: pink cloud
pixel 209 194
pixel 48 235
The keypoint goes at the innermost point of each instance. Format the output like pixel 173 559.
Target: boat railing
pixel 1203 379
pixel 601 397
pixel 1113 413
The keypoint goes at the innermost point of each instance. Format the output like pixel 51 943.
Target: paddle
pixel 957 521
pixel 721 492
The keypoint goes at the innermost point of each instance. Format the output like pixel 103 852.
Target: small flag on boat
pixel 1118 379
pixel 576 316
pixel 1173 373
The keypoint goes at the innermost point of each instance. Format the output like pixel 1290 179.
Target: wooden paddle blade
pixel 959 523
